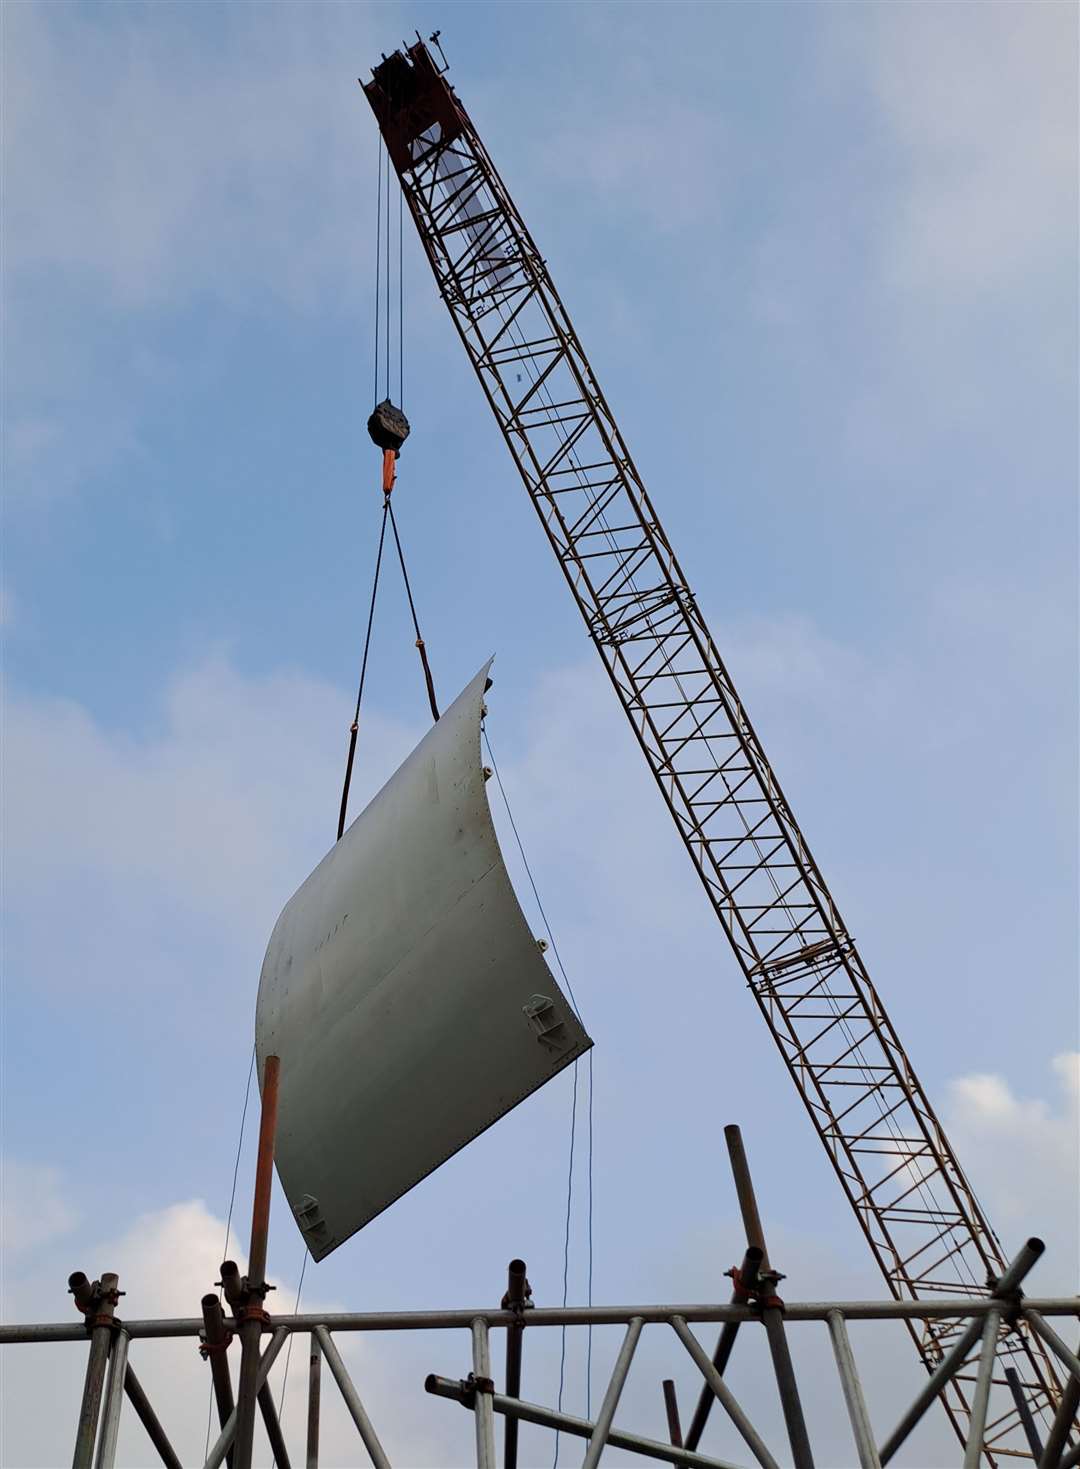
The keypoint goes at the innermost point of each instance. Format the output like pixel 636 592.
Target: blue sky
pixel 823 260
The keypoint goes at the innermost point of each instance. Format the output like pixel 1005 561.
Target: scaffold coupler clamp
pixel 1012 1303
pixel 754 1289
pixel 742 1293
pixel 518 1307
pixel 251 1306
pixel 209 1349
pixel 89 1296
pixel 471 1385
pixel 766 1297
pixel 254 1311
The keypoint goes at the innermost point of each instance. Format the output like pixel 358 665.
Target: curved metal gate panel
pixel 405 992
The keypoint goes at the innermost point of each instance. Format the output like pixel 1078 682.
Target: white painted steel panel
pixel 404 992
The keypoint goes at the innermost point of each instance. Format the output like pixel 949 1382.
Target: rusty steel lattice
pixel 920 1215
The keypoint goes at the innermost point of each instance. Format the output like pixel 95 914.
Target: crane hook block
pixel 388 427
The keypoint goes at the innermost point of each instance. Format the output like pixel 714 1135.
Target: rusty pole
pixel 744 1188
pixel 251 1316
pixel 772 1308
pixel 755 1243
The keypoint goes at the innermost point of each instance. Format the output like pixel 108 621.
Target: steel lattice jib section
pixel 404 992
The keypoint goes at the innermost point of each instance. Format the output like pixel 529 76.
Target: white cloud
pixel 982 101
pixel 33 1206
pixel 212 819
pixel 167 1260
pixel 918 277
pixel 1023 1154
pixel 146 162
pixel 159 159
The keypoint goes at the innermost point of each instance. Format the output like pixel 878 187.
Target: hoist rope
pixel 388 275
pixel 384 314
pixel 573 1118
pixel 378 267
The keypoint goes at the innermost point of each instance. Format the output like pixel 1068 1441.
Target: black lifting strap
pixel 388 511
pixel 363 674
pixel 416 622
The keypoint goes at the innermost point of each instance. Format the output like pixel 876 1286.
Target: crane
pixel 917 1210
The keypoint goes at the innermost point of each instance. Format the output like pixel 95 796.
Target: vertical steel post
pixel 252 1315
pixel 314 1391
pixel 514 1300
pixel 606 1416
pixel 149 1420
pixel 671 1407
pixel 216 1456
pixel 114 1401
pixel 100 1300
pixel 981 1396
pixel 214 1349
pixel 483 1415
pixel 853 1393
pixel 784 1368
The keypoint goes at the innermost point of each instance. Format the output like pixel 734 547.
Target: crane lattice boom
pixel 920 1216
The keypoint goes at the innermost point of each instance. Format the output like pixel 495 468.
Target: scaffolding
pixel 981 1325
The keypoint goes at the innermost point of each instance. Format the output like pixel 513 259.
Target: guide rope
pixel 228 1226
pixel 573 1120
pixel 288 1350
